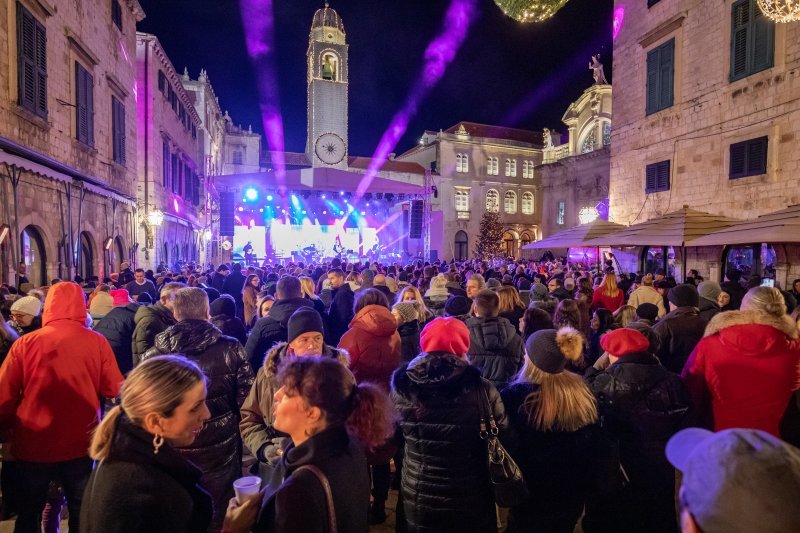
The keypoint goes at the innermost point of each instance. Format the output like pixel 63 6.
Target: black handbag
pixel 506 477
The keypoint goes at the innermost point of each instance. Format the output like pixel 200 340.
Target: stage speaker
pixel 434 255
pixel 226 214
pixel 415 223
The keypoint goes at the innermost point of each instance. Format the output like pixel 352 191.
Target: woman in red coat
pixel 608 295
pixel 374 347
pixel 743 372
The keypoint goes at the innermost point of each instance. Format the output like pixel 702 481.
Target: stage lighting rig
pixel 251 194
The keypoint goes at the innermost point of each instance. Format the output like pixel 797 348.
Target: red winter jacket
pixel 373 344
pixel 52 379
pixel 612 303
pixel 744 370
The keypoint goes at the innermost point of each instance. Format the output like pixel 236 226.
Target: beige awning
pixel 576 236
pixel 678 228
pixel 780 226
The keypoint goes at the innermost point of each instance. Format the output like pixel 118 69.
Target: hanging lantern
pixel 780 10
pixel 531 10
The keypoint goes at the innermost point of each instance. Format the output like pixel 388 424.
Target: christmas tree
pixel 490 239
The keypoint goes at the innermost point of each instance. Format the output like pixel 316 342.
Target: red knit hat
pixel 624 341
pixel 445 334
pixel 121 297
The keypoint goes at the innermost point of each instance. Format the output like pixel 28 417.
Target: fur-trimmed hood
pixel 570 342
pixel 784 324
pixel 277 354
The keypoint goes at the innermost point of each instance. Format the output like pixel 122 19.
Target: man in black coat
pixel 495 347
pixel 641 405
pixel 218 279
pixel 273 328
pixel 733 287
pixel 233 285
pixel 681 329
pixel 341 311
pixel 117 327
pixel 217 450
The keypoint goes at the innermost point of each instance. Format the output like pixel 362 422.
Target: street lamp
pixel 155 217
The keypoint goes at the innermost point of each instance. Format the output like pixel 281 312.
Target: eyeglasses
pixel 18 316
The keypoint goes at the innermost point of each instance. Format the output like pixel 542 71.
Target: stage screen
pixel 325 241
pixel 256 235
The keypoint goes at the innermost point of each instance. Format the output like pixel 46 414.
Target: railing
pixel 462 215
pixel 551 155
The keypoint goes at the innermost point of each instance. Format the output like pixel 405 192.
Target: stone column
pixel 714 270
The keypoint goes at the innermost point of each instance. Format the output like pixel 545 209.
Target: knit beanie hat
pixel 30 305
pixel 224 305
pixel 684 295
pixel 101 304
pixel 304 320
pixel 549 350
pixel 457 305
pixel 120 296
pixel 448 335
pixel 647 311
pixel 624 341
pixel 406 310
pixel 709 290
pixel 538 292
pixel 439 282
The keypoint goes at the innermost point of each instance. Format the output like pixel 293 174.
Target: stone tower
pixel 326 141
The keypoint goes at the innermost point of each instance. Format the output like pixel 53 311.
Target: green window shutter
pixel 26 50
pixel 757 156
pixel 80 104
pixel 738 163
pixel 740 31
pixel 165 159
pixel 662 176
pixel 653 66
pixel 89 88
pixel 667 74
pixel 762 41
pixel 650 182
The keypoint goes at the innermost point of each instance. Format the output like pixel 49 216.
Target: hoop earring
pixel 158 441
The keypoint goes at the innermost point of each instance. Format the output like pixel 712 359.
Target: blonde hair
pixel 157 385
pixel 307 287
pixel 624 315
pixel 766 299
pixel 422 311
pixel 509 299
pixel 609 285
pixel 562 402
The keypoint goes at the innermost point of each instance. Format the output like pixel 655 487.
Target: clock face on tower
pixel 329 148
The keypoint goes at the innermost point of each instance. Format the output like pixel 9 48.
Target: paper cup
pixel 246 488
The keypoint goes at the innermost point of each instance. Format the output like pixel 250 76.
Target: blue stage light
pixel 269 197
pixel 251 194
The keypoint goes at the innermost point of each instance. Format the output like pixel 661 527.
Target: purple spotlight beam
pixel 258 21
pixel 439 54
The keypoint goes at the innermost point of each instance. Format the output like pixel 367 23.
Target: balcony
pixel 462 215
pixel 551 155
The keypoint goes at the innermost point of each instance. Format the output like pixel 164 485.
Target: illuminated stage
pixel 317 216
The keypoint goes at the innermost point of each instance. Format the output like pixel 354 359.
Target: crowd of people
pixel 134 403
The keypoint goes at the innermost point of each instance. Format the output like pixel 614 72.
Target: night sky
pixel 522 75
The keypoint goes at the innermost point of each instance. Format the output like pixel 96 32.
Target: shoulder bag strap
pixel 323 480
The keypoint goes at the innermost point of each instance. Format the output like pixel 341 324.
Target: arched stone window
pixel 589 141
pixel 510 202
pixel 606 134
pixel 462 200
pixel 329 67
pixel 527 203
pixel 461 249
pixel 492 201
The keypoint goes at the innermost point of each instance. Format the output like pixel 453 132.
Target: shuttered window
pixel 752 40
pixel 657 177
pixel 162 83
pixel 84 101
pixel 176 173
pixel 116 13
pixel 118 130
pixel 32 62
pixel 748 158
pixel 660 77
pixel 165 162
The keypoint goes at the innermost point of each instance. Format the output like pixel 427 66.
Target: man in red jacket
pixel 50 385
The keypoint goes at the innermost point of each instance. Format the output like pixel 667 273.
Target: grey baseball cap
pixel 738 480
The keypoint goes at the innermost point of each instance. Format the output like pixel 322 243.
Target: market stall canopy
pixel 780 226
pixel 678 228
pixel 577 236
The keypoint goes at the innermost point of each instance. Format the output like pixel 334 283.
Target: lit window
pixel 237 157
pixel 492 201
pixel 462 200
pixel 606 134
pixel 561 215
pixel 588 141
pixel 527 169
pixel 527 203
pixel 492 166
pixel 510 203
pixel 462 163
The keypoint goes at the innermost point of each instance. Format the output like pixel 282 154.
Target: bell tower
pixel 326 132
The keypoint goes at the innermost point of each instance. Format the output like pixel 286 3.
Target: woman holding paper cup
pixel 141 483
pixel 329 417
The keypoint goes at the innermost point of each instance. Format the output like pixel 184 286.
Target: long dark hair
pixel 364 409
pixel 370 297
pixel 535 319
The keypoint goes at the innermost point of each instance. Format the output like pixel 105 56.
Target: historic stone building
pixel 241 148
pixel 575 173
pixel 68 159
pixel 706 103
pixel 170 161
pixel 475 168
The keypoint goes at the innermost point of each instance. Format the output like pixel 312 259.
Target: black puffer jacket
pixel 217 450
pixel 495 349
pixel 272 329
pixel 150 321
pixel 641 405
pixel 445 484
pixel 340 314
pixel 679 332
pixel 409 340
pixel 117 327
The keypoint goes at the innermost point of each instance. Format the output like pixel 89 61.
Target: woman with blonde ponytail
pixel 742 373
pixel 555 415
pixel 141 483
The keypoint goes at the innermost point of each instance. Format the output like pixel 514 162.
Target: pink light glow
pixel 619 17
pixel 176 205
pixel 439 54
pixel 259 29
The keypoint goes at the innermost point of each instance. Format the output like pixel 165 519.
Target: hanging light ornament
pixel 780 10
pixel 532 10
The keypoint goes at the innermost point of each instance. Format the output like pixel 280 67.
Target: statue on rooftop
pixel 597 67
pixel 547 138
